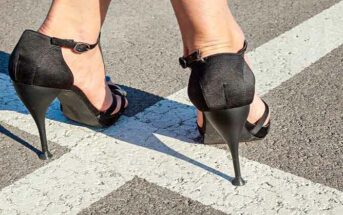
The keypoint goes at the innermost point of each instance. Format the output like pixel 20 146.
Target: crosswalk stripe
pixel 101 162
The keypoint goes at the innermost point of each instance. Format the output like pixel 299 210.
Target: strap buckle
pixel 81 47
pixel 77 47
pixel 189 60
pixel 194 57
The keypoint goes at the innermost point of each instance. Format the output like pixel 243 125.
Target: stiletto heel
pixel 229 124
pixel 37 100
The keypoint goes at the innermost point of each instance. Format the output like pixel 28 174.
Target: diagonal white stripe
pixel 156 145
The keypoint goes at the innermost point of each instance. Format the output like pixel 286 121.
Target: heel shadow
pixel 17 139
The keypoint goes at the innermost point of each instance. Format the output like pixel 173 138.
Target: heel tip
pixel 45 156
pixel 238 182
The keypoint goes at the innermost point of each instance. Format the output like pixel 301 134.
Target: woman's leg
pixel 82 20
pixel 209 26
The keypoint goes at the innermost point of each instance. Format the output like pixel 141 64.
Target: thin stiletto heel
pixel 229 124
pixel 37 100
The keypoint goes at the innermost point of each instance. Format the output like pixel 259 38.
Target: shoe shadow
pixel 169 123
pixel 14 137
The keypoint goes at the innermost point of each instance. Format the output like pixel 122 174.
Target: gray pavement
pixel 141 45
pixel 138 196
pixel 18 154
pixel 306 137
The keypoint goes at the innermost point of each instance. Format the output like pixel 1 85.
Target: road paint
pixel 157 145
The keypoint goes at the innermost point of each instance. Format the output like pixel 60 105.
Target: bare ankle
pixel 67 29
pixel 228 44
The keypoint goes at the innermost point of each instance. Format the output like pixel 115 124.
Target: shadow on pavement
pixel 135 96
pixel 19 140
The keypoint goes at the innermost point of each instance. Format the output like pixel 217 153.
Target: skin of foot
pixel 87 68
pixel 209 26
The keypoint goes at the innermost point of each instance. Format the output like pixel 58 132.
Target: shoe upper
pixel 36 61
pixel 221 81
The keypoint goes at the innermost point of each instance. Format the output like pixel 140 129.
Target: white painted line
pixel 102 164
pixel 156 145
pixel 293 51
pixel 288 54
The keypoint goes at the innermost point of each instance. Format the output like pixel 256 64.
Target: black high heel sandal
pixel 40 75
pixel 222 86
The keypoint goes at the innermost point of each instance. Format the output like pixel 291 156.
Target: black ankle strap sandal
pixel 40 75
pixel 222 86
pixel 250 132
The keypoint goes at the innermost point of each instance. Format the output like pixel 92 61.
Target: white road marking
pixel 156 145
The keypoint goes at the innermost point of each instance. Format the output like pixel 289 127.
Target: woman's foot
pixel 88 70
pixel 68 20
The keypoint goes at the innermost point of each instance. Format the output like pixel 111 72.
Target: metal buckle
pixel 81 47
pixel 183 62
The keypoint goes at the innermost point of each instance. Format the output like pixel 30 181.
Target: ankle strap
pixel 77 47
pixel 196 57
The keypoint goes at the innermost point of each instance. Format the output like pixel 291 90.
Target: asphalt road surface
pixel 150 162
